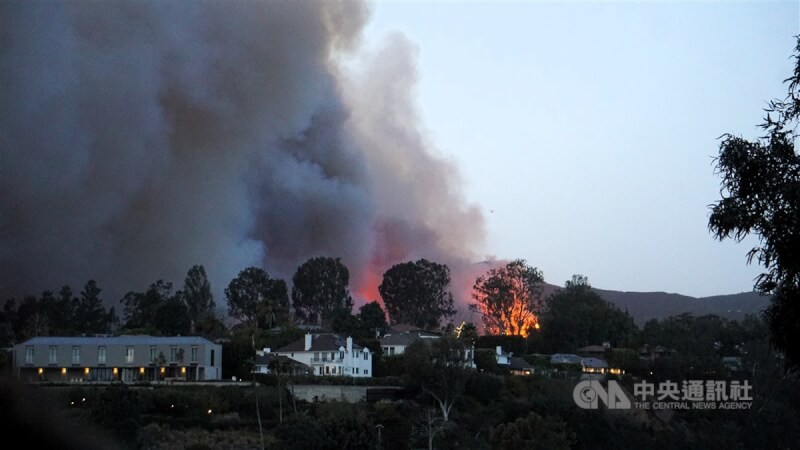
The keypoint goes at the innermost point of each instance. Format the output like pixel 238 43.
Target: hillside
pixel 644 306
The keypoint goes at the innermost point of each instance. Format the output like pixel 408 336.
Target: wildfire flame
pixel 517 320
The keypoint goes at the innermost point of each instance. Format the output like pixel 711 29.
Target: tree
pixel 439 369
pixel 467 332
pixel 141 308
pixel 576 316
pixel 509 298
pixel 320 287
pixel 761 195
pixel 253 295
pixel 417 293
pixel 532 432
pixel 91 316
pixel 372 320
pixel 63 313
pixel 197 295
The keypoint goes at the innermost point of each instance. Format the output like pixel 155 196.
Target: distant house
pixel 330 354
pixel 565 358
pixel 265 361
pixel 518 366
pixel 594 365
pixel 126 359
pixel 502 358
pixel 395 343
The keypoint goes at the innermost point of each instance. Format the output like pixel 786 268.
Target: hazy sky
pixel 586 131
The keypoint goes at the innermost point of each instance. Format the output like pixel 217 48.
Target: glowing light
pixel 183 370
pixel 209 412
pixel 141 370
pixel 63 371
pixel 86 371
pixel 41 371
pixel 114 370
pixel 517 320
pixel 163 370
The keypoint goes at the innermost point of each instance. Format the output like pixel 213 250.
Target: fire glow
pixel 516 320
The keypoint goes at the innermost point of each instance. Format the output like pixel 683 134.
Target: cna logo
pixel 587 393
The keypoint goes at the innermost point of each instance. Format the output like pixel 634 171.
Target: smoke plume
pixel 140 138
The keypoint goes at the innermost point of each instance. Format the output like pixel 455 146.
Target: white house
pixel 330 354
pixel 502 358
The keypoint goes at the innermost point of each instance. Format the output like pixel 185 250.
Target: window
pixel 173 354
pixel 129 355
pixel 212 357
pixel 366 356
pixel 341 355
pixel 53 354
pixel 76 355
pixel 366 371
pixel 316 356
pixel 332 356
pixel 320 370
pixel 194 354
pixel 153 354
pixel 29 354
pixel 101 355
pixel 391 351
pixel 356 370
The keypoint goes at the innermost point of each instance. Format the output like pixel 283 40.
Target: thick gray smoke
pixel 140 138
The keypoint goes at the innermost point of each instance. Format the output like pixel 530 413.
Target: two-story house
pixel 330 354
pixel 127 359
pixel 395 343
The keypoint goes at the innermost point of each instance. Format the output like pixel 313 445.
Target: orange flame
pixel 518 320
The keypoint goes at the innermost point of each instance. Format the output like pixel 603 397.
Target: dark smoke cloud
pixel 140 138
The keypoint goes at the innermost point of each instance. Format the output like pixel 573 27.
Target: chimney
pixel 499 349
pixel 308 342
pixel 349 344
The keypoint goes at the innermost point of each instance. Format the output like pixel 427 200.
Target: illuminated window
pixel 29 354
pixel 53 354
pixel 163 370
pixel 40 371
pixel 86 371
pixel 183 370
pixel 101 355
pixel 114 370
pixel 76 355
pixel 63 371
pixel 141 370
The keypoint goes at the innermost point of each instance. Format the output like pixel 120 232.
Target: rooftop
pixel 117 340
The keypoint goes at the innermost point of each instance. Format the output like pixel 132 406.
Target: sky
pixel 586 131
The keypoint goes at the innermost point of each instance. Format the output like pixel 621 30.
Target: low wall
pixel 324 392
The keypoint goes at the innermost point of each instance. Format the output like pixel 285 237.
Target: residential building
pixel 518 366
pixel 565 358
pixel 395 343
pixel 266 361
pixel 330 354
pixel 502 358
pixel 127 359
